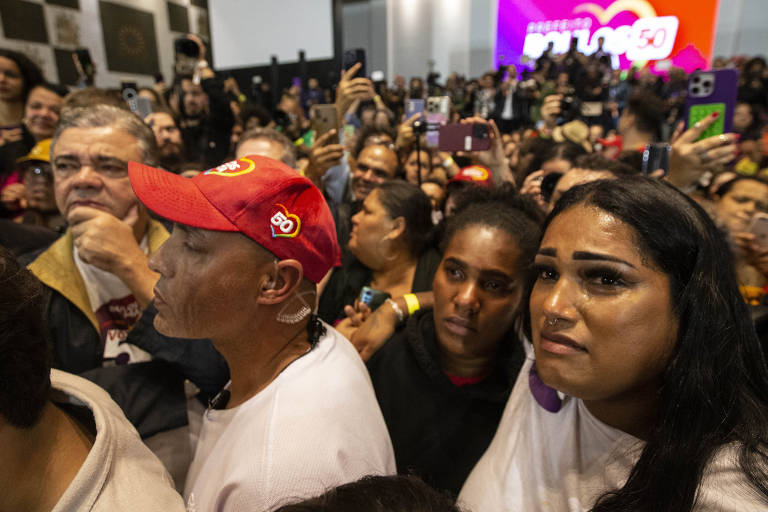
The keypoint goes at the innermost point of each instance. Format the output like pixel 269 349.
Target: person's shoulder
pixel 332 363
pixel 120 472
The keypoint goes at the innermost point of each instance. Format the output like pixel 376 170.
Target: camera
pixel 570 107
pixel 186 47
pixel 419 127
pixel 187 53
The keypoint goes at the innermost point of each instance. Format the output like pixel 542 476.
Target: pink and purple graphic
pixel 659 33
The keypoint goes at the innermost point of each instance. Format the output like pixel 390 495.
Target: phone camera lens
pixel 695 90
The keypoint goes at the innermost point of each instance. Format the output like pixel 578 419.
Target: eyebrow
pixel 375 168
pixel 585 256
pixel 109 159
pixel 97 158
pixel 484 272
pixel 66 157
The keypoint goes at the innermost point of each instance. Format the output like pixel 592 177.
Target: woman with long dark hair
pixel 647 388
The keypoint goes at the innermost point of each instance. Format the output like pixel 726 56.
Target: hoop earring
pixel 298 316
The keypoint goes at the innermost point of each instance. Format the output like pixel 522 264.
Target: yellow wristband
pixel 377 98
pixel 412 302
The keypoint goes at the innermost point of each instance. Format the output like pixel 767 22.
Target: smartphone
pixel 351 57
pixel 142 107
pixel 377 76
pixel 373 298
pixel 186 47
pixel 465 137
pixel 759 228
pixel 413 107
pixel 709 92
pixel 186 54
pixel 83 56
pixel 324 118
pixel 438 112
pixel 128 85
pixel 592 108
pixel 656 156
pixel 438 109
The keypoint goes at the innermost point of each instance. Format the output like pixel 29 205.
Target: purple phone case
pixel 724 91
pixel 414 106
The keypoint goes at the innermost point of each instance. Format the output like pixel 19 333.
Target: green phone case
pixel 699 112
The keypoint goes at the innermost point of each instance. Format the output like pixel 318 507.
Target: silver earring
pixel 298 316
pixel 294 318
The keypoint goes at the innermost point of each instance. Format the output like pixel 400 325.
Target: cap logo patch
pixel 284 224
pixel 476 173
pixel 233 168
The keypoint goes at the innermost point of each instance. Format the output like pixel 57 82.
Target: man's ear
pixel 283 283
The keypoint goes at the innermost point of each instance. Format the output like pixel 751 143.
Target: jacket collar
pixel 56 268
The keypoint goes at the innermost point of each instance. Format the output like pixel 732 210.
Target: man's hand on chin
pixel 108 243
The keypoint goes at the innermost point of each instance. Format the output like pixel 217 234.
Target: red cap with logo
pixel 260 197
pixel 476 174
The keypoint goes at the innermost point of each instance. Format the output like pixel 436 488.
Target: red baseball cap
pixel 260 197
pixel 476 174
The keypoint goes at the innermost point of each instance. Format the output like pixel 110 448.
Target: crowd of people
pixel 215 305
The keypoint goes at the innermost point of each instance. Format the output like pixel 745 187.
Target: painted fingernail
pixel 715 115
pixel 737 136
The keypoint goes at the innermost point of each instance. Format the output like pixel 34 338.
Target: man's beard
pixel 171 157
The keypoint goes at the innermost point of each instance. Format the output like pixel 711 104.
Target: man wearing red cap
pixel 252 239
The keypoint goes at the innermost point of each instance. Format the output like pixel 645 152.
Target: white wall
pixel 449 35
pixel 365 26
pixel 741 28
pixel 90 36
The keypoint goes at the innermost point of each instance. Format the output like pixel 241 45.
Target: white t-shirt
pixel 115 308
pixel 119 473
pixel 316 426
pixel 564 460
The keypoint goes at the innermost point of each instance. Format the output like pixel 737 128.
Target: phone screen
pixel 373 298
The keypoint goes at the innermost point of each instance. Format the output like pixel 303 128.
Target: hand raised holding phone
pixel 350 89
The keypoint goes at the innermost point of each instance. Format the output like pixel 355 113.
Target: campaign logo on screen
pixel 676 32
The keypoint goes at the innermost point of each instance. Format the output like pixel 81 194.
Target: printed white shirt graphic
pixel 116 309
